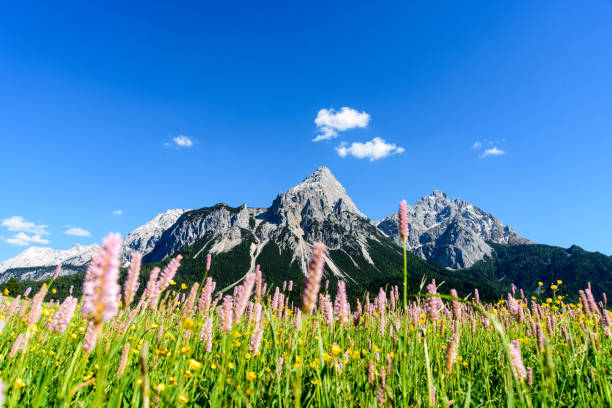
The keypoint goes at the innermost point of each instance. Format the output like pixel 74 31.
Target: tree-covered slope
pixel 526 265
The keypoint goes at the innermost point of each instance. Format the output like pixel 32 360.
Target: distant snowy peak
pixel 145 237
pixel 43 256
pixel 452 233
pixel 142 239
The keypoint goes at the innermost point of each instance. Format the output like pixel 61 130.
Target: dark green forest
pixel 523 265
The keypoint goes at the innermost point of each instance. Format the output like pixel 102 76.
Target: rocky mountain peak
pixel 322 185
pixel 145 237
pixel 452 233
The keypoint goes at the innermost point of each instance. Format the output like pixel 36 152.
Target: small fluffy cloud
pixel 330 122
pixel 23 239
pixel 477 145
pixel 118 212
pixel 182 141
pixel 375 149
pixel 77 232
pixel 27 232
pixel 494 151
pixel 17 224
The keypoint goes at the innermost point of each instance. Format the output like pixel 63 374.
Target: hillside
pixel 526 265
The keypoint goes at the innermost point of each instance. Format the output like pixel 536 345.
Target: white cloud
pixel 375 149
pixel 28 232
pixel 118 212
pixel 78 232
pixel 330 122
pixel 477 145
pixel 182 141
pixel 494 151
pixel 17 224
pixel 23 239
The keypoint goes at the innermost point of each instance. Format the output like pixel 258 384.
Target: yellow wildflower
pixel 188 324
pixel 195 364
pixel 250 375
pixel 183 398
pixel 336 349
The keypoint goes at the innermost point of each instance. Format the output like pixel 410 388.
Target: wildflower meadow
pixel 259 346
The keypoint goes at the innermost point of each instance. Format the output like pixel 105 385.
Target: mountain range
pixel 448 239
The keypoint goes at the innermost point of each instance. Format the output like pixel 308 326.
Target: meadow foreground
pixel 259 346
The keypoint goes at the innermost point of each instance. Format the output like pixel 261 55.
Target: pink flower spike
pixel 58 268
pixel 403 220
pixel 313 280
pixel 101 288
pixel 131 282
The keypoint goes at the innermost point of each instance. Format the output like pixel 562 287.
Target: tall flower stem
pixel 405 277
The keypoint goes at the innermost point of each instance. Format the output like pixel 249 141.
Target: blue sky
pixel 94 95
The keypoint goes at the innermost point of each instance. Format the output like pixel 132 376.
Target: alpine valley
pixel 450 240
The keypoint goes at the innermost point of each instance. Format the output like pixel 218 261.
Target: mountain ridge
pixel 443 231
pixel 451 233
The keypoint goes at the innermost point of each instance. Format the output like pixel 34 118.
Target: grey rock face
pixel 145 237
pixel 450 233
pixel 318 209
pixel 220 221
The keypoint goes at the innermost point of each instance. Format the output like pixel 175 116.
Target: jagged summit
pixel 145 237
pixel 452 233
pixel 317 209
pixel 324 185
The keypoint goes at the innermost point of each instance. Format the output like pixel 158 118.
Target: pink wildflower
pixel 131 281
pixel 63 315
pixel 517 361
pixel 58 269
pixel 100 288
pixel 313 280
pixel 243 299
pixel 403 220
pixel 169 272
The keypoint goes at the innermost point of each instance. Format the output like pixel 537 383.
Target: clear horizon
pixel 112 115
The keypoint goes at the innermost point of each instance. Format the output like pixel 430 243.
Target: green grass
pixel 322 365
